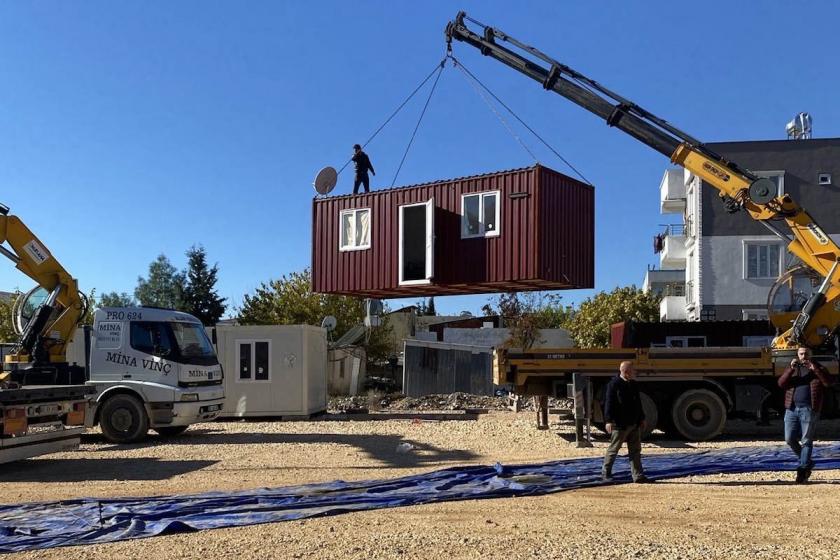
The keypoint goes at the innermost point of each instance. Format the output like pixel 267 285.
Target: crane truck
pixel 142 368
pixel 688 390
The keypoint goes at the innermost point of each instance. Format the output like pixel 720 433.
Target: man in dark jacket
pixel 804 383
pixel 362 162
pixel 625 422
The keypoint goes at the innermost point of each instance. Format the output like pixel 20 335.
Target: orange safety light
pixel 76 416
pixel 14 422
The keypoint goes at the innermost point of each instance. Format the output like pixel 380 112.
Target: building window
pixel 708 314
pixel 355 230
pixel 756 341
pixel 253 358
pixel 685 341
pixel 480 214
pixel 778 177
pixel 754 314
pixel 824 179
pixel 761 261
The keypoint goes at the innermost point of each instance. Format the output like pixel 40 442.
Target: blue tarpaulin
pixel 89 521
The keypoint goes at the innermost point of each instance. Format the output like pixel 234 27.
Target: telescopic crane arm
pixel 740 189
pixel 44 339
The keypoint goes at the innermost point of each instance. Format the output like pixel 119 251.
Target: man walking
pixel 625 422
pixel 362 162
pixel 804 383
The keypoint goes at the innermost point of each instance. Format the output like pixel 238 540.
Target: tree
pixel 7 332
pixel 164 287
pixel 87 318
pixel 590 324
pixel 291 301
pixel 113 299
pixel 200 297
pixel 430 307
pixel 526 314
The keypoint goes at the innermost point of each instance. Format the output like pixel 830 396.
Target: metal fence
pixel 432 368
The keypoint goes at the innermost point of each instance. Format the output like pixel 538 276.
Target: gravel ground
pixel 734 516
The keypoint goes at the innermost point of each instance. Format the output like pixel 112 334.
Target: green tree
pixel 114 299
pixel 164 286
pixel 7 332
pixel 590 324
pixel 200 297
pixel 291 301
pixel 525 314
pixel 87 317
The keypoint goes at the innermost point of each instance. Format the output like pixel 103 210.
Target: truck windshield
pixel 193 344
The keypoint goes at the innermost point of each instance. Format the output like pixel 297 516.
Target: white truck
pixel 152 368
pixel 144 367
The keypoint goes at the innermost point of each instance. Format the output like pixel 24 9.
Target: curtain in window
pixel 362 228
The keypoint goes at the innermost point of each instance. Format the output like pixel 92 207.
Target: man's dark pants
pixel 633 437
pixel 361 179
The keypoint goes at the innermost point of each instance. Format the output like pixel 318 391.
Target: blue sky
pixel 132 129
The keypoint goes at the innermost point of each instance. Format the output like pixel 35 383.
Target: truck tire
pixel 698 415
pixel 171 431
pixel 651 414
pixel 123 419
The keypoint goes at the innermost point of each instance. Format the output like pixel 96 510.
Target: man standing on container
pixel 625 422
pixel 804 382
pixel 362 162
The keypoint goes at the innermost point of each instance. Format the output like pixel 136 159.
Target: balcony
pixel 672 192
pixel 664 282
pixel 673 252
pixel 672 308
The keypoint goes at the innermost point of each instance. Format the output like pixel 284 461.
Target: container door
pixel 416 243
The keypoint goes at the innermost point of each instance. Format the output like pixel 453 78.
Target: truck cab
pixel 152 368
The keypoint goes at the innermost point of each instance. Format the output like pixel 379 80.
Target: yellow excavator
pixel 816 323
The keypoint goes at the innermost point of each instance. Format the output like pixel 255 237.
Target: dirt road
pixel 734 516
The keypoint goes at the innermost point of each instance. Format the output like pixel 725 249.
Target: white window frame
pixel 481 195
pixel 746 244
pixel 354 212
pixel 252 342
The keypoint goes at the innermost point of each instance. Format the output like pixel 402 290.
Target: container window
pixel 261 361
pixel 254 358
pixel 245 361
pixel 480 214
pixel 355 230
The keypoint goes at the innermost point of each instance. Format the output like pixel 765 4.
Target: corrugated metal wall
pixel 431 368
pixel 511 261
pixel 567 229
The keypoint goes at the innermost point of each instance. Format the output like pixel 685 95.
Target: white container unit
pixel 273 370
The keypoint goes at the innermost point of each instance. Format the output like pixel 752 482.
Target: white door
pixel 416 238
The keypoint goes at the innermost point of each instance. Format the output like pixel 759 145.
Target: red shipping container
pixel 517 230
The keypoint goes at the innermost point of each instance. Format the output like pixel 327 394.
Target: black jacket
pixel 362 162
pixel 623 406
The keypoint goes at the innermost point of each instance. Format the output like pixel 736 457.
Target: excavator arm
pixel 44 338
pixel 817 323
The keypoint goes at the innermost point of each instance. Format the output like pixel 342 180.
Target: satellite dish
pixel 325 180
pixel 329 323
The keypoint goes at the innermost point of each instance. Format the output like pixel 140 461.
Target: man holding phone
pixel 804 382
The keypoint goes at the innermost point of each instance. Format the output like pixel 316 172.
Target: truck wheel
pixel 651 414
pixel 123 419
pixel 171 431
pixel 698 415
